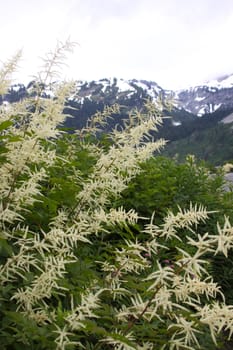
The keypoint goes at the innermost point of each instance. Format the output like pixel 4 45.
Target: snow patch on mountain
pixel 123 85
pixel 207 98
pixel 198 100
pixel 221 83
pixel 176 123
pixel 228 119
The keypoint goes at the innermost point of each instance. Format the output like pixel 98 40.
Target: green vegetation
pixel 102 245
pixel 165 185
pixel 214 145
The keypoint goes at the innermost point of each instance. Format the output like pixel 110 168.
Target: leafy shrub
pixel 165 184
pixel 79 272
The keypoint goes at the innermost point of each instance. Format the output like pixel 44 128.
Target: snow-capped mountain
pixel 116 89
pixel 200 123
pixel 207 98
pixel 199 100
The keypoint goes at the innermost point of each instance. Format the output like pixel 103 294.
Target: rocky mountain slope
pixel 199 100
pixel 201 120
pixel 207 98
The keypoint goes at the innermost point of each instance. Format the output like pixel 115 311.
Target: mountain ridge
pixel 199 100
pixel 202 110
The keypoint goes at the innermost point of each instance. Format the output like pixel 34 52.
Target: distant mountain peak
pixel 221 82
pixel 223 77
pixel 197 100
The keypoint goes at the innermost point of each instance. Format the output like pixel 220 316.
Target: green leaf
pixel 5 248
pixel 4 125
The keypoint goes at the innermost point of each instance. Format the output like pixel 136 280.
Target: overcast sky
pixel 176 43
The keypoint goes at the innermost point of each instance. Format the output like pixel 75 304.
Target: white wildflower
pixel 224 238
pixel 7 71
pixel 145 346
pixel 89 303
pixel 219 317
pixel 120 341
pixel 185 331
pixel 185 288
pixel 183 219
pixel 62 339
pixel 43 284
pixel 179 344
pixel 192 265
pixel 131 260
pixel 162 277
pixel 204 243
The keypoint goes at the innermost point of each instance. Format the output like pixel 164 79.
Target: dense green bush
pixel 79 270
pixel 165 184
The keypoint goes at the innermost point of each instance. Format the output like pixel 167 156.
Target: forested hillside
pixel 204 136
pixel 208 138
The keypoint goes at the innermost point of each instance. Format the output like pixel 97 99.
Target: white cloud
pixel 173 42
